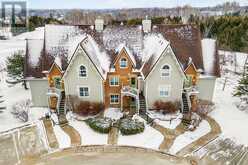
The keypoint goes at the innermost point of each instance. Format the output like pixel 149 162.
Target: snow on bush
pixel 21 110
pixel 204 107
pixel 131 127
pixel 101 125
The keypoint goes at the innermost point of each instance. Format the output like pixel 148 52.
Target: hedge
pixel 101 125
pixel 131 127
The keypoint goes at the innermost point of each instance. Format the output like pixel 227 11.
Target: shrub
pixel 204 107
pixel 21 109
pixel 84 108
pixel 131 127
pixel 166 107
pixel 101 125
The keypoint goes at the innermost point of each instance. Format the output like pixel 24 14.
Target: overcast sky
pixel 109 4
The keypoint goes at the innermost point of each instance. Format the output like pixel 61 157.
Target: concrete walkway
pixel 73 134
pixel 169 135
pixel 113 136
pixel 52 140
pixel 213 134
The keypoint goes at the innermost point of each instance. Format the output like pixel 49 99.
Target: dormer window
pixel 82 71
pixel 165 71
pixel 123 63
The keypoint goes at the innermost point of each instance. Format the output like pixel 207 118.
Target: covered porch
pixel 130 100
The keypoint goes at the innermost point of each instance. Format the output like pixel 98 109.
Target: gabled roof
pixel 122 48
pixel 185 41
pixel 98 58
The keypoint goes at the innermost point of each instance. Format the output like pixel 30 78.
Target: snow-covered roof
pixel 209 55
pixel 35 48
pixel 98 56
pixel 130 54
pixel 154 45
pixel 62 40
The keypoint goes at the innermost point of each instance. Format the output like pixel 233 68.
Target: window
pixel 83 91
pixel 165 71
pixel 114 99
pixel 82 71
pixel 123 63
pixel 164 91
pixel 114 81
pixel 57 82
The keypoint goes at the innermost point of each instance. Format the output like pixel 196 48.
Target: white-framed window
pixel 123 62
pixel 165 71
pixel 82 71
pixel 114 99
pixel 114 81
pixel 164 90
pixel 84 92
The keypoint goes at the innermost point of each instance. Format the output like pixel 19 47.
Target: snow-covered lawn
pixel 88 136
pixel 63 139
pixel 188 137
pixel 170 121
pixel 150 138
pixel 11 95
pixel 233 122
pixel 113 113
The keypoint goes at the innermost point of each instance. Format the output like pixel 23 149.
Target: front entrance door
pixel 133 82
pixel 57 82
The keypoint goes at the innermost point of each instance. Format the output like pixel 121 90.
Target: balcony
pixel 129 91
pixel 54 92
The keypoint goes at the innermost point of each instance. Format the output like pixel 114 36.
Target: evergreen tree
pixel 242 88
pixel 15 64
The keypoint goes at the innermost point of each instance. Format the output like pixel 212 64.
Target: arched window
pixel 82 71
pixel 165 71
pixel 123 63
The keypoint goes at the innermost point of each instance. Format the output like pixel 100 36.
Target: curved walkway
pixel 52 140
pixel 169 135
pixel 108 154
pixel 213 134
pixel 73 134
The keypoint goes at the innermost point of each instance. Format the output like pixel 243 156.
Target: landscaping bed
pixel 101 125
pixel 131 127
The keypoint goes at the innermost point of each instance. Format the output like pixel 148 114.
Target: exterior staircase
pixel 61 110
pixel 62 104
pixel 142 103
pixel 186 109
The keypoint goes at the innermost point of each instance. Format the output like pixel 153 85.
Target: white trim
pixel 160 87
pixel 126 62
pixel 112 95
pixel 110 77
pixel 161 70
pixel 80 71
pixel 78 90
pixel 168 50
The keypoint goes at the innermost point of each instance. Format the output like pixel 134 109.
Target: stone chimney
pixel 147 25
pixel 99 23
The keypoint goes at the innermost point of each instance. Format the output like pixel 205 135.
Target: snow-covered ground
pixel 113 113
pixel 63 139
pixel 170 121
pixel 88 136
pixel 188 137
pixel 233 122
pixel 150 138
pixel 10 95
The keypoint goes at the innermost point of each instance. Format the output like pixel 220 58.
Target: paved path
pixel 113 136
pixel 109 155
pixel 169 135
pixel 73 134
pixel 52 140
pixel 214 133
